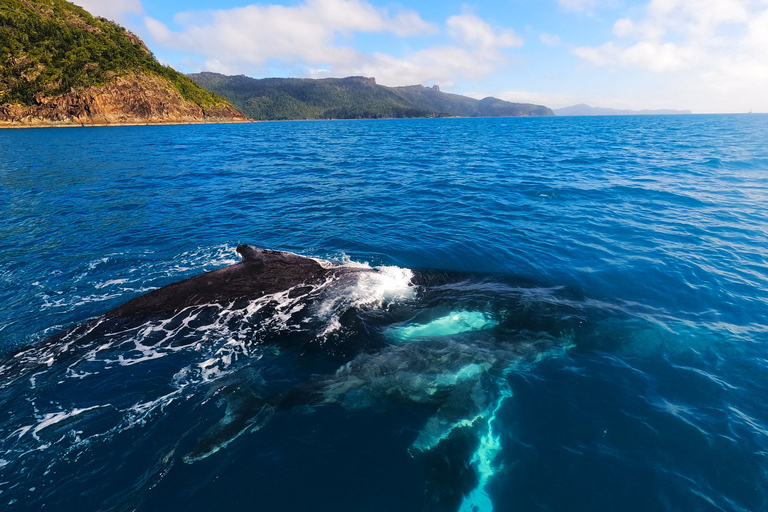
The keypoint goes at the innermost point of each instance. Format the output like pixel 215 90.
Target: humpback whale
pixel 261 274
pixel 281 334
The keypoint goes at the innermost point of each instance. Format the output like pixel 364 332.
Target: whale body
pixel 279 335
pixel 261 273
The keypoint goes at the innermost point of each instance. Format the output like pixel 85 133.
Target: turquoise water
pixel 570 314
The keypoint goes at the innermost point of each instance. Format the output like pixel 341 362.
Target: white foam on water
pixel 206 258
pixel 53 418
pixel 333 325
pixel 134 281
pixel 374 289
pixel 22 431
pixel 342 261
pixel 138 414
pixel 111 282
pixel 364 290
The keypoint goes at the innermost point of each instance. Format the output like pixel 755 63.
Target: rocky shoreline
pixel 22 126
pixel 132 99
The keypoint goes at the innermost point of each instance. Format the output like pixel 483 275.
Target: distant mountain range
pixel 585 110
pixel 351 98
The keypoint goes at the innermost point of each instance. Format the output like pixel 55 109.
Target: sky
pixel 707 56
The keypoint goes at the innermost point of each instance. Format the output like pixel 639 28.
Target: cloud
pixel 441 64
pixel 577 5
pixel 112 9
pixel 680 34
pixel 650 55
pixel 407 23
pixel 707 46
pixel 255 34
pixel 549 39
pixel 479 34
pixel 310 36
pixel 588 7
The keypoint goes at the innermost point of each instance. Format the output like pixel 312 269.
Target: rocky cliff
pixel 61 66
pixel 129 99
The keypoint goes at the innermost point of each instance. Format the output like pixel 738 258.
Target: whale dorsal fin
pixel 278 260
pixel 250 252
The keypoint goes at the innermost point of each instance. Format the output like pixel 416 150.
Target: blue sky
pixel 701 55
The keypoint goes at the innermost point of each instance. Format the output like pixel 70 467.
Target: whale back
pixel 260 272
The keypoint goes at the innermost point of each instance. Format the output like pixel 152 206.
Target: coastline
pixel 10 125
pixel 7 125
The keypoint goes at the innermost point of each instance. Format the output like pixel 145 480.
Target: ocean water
pixel 557 314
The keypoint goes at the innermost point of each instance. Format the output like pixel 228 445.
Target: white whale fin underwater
pixel 431 363
pixel 455 322
pixel 467 399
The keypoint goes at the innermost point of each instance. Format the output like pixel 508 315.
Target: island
pixel 61 66
pixel 354 97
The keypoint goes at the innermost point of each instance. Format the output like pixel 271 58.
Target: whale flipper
pixel 245 412
pixel 465 405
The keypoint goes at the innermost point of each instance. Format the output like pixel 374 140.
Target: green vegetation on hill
pixel 302 98
pixel 351 98
pixel 50 47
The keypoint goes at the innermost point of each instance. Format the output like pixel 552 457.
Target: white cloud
pixel 624 27
pixel 441 65
pixel 707 49
pixel 577 5
pixel 649 55
pixel 111 9
pixel 677 34
pixel 307 36
pixel 588 7
pixel 479 34
pixel 257 33
pixel 407 23
pixel 549 39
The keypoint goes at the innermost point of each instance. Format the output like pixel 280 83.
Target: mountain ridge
pixel 582 109
pixel 352 97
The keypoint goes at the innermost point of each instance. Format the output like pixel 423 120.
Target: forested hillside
pixel 51 48
pixel 351 98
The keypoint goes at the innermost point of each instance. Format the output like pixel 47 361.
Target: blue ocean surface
pixel 557 314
